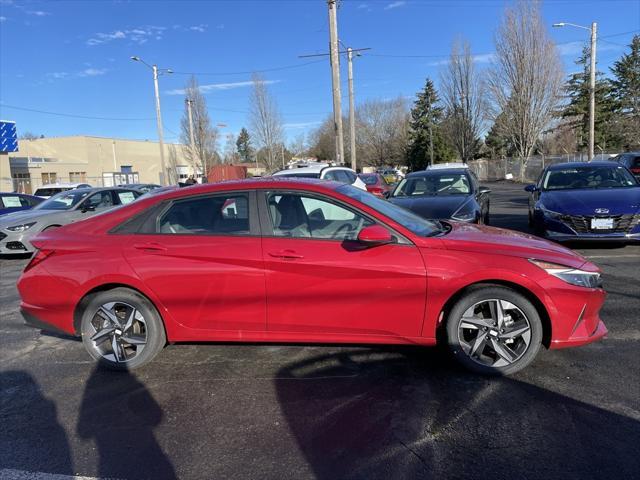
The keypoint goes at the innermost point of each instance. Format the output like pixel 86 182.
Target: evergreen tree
pixel 576 112
pixel 243 144
pixel 425 132
pixel 626 91
pixel 496 142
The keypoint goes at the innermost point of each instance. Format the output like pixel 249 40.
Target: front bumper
pixel 15 243
pixel 599 333
pixel 592 237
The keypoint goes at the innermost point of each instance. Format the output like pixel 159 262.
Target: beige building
pixel 94 160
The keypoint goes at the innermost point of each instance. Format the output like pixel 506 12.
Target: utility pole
pixel 335 79
pixel 156 73
pixel 189 102
pixel 592 91
pixel 352 112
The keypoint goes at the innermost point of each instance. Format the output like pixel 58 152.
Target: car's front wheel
pixel 494 330
pixel 121 329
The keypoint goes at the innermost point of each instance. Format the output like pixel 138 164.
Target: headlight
pixel 549 213
pixel 21 228
pixel 465 213
pixel 570 275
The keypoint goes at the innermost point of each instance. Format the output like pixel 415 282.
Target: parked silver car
pixel 17 229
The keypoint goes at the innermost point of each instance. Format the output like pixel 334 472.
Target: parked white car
pixel 324 171
pixel 49 190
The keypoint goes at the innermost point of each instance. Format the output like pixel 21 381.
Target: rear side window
pixel 126 197
pixel 213 215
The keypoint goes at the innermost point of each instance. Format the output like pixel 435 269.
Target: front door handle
pixel 286 254
pixel 150 247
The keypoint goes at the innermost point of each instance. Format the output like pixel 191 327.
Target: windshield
pixel 63 201
pixel 588 177
pixel 369 179
pixel 433 185
pixel 406 218
pixel 300 175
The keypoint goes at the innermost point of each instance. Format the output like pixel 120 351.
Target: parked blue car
pixel 585 201
pixel 15 202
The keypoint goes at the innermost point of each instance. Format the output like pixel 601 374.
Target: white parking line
pixel 611 256
pixel 10 474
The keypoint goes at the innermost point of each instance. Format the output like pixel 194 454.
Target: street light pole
pixel 592 82
pixel 352 111
pixel 156 73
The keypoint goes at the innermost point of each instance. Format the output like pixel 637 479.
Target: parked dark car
pixel 631 160
pixel 143 187
pixel 444 193
pixel 376 184
pixel 16 202
pixel 585 201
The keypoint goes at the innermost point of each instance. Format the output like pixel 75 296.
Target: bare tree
pixel 265 122
pixel 230 150
pixel 382 132
pixel 463 95
pixel 526 79
pixel 202 155
pixel 298 146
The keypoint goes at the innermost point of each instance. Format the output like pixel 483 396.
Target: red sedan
pixel 280 260
pixel 375 184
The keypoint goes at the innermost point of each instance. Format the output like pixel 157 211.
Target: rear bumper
pixel 33 321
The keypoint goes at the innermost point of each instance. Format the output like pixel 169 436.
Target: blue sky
pixel 72 57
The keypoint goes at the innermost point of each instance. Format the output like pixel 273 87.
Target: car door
pixel 202 257
pixel 320 280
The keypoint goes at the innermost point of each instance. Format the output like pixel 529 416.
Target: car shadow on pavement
pixel 119 414
pixel 31 438
pixel 407 413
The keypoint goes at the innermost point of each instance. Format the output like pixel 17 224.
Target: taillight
pixel 38 256
pixel 635 170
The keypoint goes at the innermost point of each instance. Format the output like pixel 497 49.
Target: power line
pixel 86 117
pixel 246 72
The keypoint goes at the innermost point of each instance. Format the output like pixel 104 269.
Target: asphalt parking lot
pixel 270 411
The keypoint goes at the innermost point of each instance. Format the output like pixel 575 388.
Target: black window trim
pixel 149 226
pixel 267 228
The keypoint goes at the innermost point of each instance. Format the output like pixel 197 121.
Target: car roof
pixel 447 166
pixel 601 163
pixel 309 169
pixel 437 171
pixel 62 185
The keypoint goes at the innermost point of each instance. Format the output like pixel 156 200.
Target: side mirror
pixel 482 189
pixel 531 188
pixel 386 194
pixel 375 235
pixel 88 208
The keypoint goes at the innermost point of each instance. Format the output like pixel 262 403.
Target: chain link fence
pixel 510 168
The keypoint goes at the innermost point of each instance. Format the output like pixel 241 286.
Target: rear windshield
pixel 434 185
pixel 300 175
pixel 48 192
pixel 369 179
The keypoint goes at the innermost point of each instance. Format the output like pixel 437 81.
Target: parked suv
pixel 324 171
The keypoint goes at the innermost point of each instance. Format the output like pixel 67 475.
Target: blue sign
pixel 8 136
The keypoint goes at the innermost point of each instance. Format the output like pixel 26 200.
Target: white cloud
pixel 479 58
pixel 3 19
pixel 397 4
pixel 219 86
pixel 198 28
pixel 139 35
pixel 58 75
pixel 38 13
pixel 92 72
pixel 363 6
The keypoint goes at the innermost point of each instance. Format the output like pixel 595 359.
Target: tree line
pixel 520 106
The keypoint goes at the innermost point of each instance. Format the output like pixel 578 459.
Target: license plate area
pixel 602 224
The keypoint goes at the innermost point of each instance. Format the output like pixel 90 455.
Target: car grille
pixel 621 223
pixel 2 236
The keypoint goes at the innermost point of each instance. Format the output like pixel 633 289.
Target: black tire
pixel 486 215
pixel 152 328
pixel 474 296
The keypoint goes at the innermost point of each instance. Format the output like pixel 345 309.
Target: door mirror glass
pixel 375 235
pixel 531 188
pixel 482 189
pixel 88 208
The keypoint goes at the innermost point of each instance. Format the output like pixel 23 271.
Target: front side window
pixel 214 215
pixel 99 200
pixel 300 216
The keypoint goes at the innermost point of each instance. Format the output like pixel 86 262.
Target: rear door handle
pixel 150 247
pixel 287 254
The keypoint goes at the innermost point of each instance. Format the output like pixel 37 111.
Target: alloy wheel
pixel 118 332
pixel 494 333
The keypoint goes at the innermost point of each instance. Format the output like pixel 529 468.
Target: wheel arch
pixel 86 298
pixel 528 294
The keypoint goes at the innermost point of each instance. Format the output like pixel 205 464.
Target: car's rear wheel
pixel 494 330
pixel 122 329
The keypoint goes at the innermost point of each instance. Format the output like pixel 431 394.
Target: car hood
pixel 433 207
pixel 18 218
pixel 484 239
pixel 586 201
